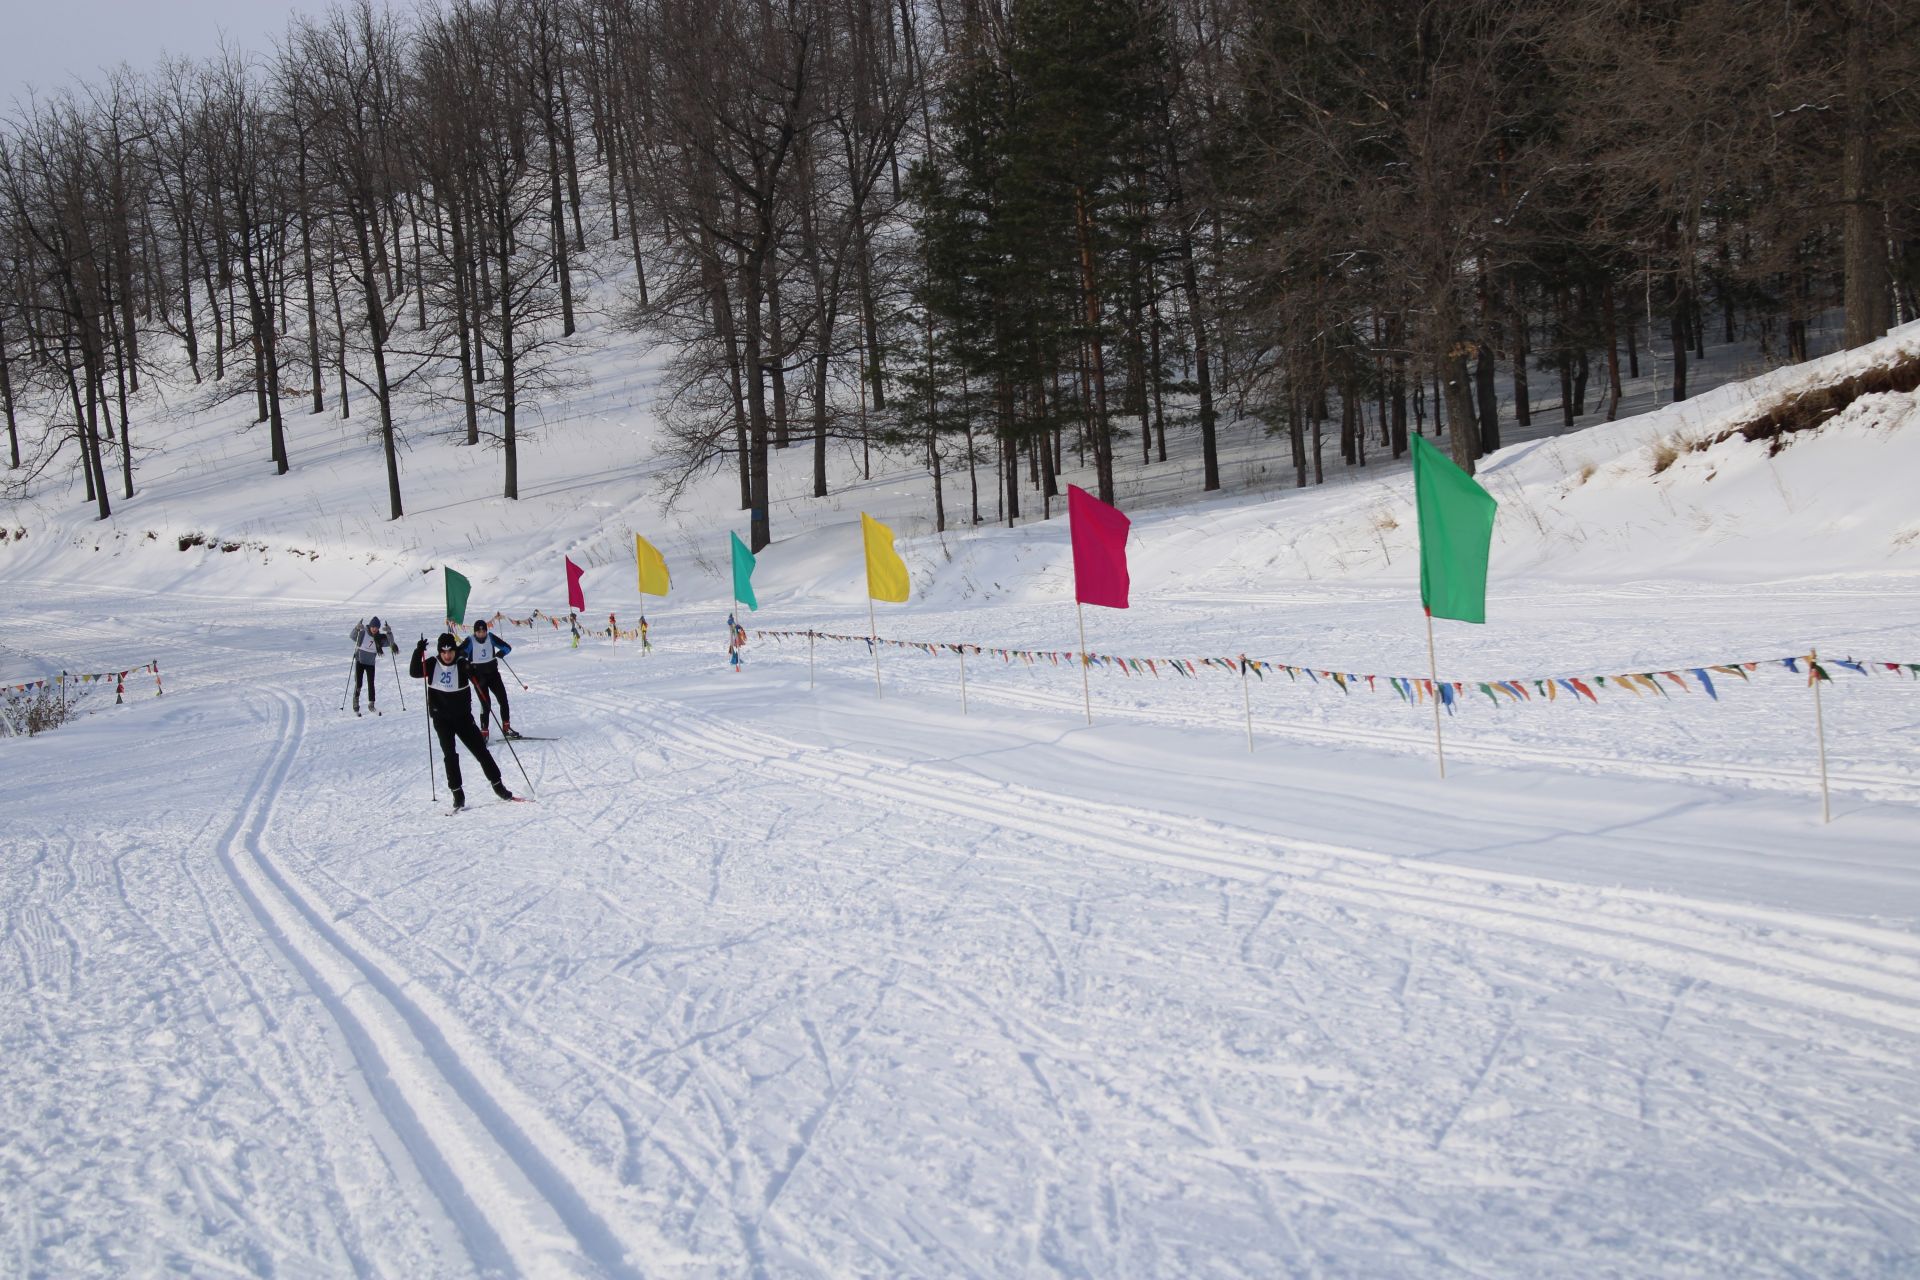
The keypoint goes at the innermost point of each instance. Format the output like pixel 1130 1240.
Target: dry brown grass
pixel 1812 408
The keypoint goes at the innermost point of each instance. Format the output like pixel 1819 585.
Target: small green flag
pixel 1456 532
pixel 743 573
pixel 457 590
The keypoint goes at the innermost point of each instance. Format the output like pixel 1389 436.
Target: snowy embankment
pixel 778 977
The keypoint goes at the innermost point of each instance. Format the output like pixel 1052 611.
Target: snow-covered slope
pixel 783 975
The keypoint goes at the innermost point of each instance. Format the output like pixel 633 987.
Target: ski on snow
pixel 467 808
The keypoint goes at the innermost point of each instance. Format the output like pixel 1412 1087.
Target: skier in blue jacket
pixel 481 651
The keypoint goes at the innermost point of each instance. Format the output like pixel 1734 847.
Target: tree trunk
pixel 363 215
pixel 1096 366
pixel 503 246
pixel 1396 337
pixel 557 228
pixel 1485 373
pixel 315 374
pixel 1159 403
pixel 339 336
pixel 1522 406
pixel 1677 319
pixel 1297 437
pixel 126 428
pixel 6 399
pixel 1190 285
pixel 777 361
pixel 1613 351
pixel 1863 219
pixel 567 154
pixel 869 312
pixel 758 437
pixel 710 267
pixel 266 356
pixel 463 316
pixel 187 333
pixel 939 493
pixel 98 476
pixel 1452 360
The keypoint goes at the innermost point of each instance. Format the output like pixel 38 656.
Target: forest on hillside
pixel 987 231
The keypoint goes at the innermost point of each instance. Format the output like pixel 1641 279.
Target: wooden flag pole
pixel 1433 669
pixel 1086 692
pixel 1246 695
pixel 962 651
pixel 1820 732
pixel 873 639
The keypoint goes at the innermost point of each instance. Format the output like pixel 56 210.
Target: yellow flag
pixel 653 568
pixel 886 571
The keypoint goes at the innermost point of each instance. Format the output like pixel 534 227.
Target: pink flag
pixel 575 599
pixel 1099 550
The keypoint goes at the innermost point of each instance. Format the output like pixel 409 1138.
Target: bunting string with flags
pixel 83 678
pixel 1707 678
pixel 556 621
pixel 1415 690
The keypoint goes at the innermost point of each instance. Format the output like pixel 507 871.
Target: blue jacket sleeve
pixel 502 646
pixel 466 650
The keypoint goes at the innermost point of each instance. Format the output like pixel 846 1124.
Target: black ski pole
pixel 516 760
pixel 433 788
pixel 393 656
pixel 351 664
pixel 512 672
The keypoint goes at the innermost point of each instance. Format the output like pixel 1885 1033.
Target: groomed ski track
pixel 487 1156
pixel 788 982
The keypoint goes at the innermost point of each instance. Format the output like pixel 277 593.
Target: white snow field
pixel 781 976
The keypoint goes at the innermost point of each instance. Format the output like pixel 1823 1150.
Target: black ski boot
pixel 459 800
pixel 500 789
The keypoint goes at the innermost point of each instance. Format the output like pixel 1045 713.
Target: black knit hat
pixel 447 641
pixel 375 623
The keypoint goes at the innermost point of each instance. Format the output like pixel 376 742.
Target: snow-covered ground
pixel 782 976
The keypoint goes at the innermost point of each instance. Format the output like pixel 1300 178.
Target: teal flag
pixel 1456 532
pixel 743 574
pixel 458 588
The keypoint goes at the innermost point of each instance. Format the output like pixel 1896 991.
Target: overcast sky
pixel 47 44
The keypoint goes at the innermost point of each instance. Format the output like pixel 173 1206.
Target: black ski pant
pixel 467 732
pixel 369 671
pixel 488 684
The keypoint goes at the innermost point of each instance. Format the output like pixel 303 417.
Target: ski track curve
pixel 496 1169
pixel 1683 937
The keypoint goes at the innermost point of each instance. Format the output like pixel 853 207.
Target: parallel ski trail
pixel 1684 937
pixel 497 1175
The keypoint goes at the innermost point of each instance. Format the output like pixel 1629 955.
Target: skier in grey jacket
pixel 369 638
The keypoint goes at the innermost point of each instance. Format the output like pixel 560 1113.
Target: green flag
pixel 457 589
pixel 743 573
pixel 1456 530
